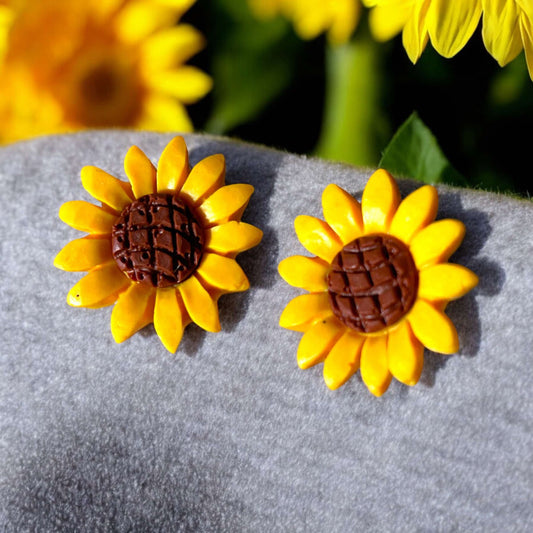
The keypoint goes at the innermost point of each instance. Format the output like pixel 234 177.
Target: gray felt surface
pixel 228 434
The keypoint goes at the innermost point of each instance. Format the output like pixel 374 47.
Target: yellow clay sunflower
pixel 310 18
pixel 448 23
pixel 112 63
pixel 378 285
pixel 162 247
pixel 507 28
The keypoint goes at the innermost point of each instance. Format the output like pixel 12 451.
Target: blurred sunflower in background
pixel 115 63
pixel 310 18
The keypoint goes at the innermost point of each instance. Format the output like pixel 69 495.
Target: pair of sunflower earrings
pixel 162 248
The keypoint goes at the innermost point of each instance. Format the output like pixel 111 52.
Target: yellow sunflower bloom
pixel 507 28
pixel 310 18
pixel 449 24
pixel 378 285
pixel 115 63
pixel 162 247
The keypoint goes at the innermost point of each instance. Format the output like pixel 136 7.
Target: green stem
pixel 352 115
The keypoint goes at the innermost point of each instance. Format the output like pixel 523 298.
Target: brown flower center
pixel 157 241
pixel 373 283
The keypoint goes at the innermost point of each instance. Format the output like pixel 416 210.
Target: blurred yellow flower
pixel 507 28
pixel 449 24
pixel 338 18
pixel 100 63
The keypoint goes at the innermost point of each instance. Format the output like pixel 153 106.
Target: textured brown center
pixel 157 240
pixel 373 283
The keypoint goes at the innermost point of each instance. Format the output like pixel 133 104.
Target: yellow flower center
pixel 157 240
pixel 373 283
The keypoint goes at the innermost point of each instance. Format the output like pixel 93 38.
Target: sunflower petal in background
pixel 379 286
pixel 76 65
pixel 449 25
pixel 162 248
pixel 507 29
pixel 507 26
pixel 338 18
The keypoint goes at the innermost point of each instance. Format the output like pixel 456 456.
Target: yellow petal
pixel 168 320
pixel 173 166
pixel 170 47
pixel 318 341
pixel 310 23
pixel 199 304
pixel 128 313
pixel 406 354
pixel 305 310
pixel 307 273
pixel 433 328
pixel 317 237
pixel 343 213
pixel 222 273
pixel 84 254
pixel 226 203
pixel 178 6
pixel 451 24
pixel 343 360
pixel 232 238
pixel 415 212
pixel 388 20
pixel 345 20
pixel 445 282
pixel 380 200
pixel 437 242
pixel 84 216
pixel 205 178
pixel 100 284
pixel 138 19
pixel 501 30
pixel 415 33
pixel 187 84
pixel 140 171
pixel 526 31
pixel 161 112
pixel 105 188
pixel 374 367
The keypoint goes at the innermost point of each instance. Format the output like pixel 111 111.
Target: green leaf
pixel 253 62
pixel 415 153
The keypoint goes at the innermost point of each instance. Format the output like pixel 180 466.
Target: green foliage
pixel 415 153
pixel 252 64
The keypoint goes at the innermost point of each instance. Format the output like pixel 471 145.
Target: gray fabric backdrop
pixel 228 434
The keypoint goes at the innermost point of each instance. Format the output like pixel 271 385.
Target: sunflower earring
pixel 378 285
pixel 162 247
